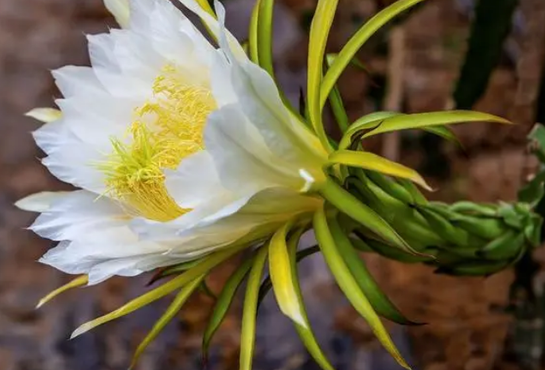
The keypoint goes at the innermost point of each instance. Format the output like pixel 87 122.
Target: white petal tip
pixel 40 304
pixel 39 202
pixel 299 320
pixel 427 187
pixel 79 331
pixel 309 180
pixel 293 311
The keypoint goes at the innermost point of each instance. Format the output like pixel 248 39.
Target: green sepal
pixel 172 310
pixel 204 265
pixel 319 32
pixel 503 248
pixel 282 277
pixel 249 313
pixel 349 285
pixel 351 206
pixel 172 270
pixel 305 331
pixel 372 162
pixel 380 302
pixel 223 303
pixel 533 191
pixel 362 125
pixel 366 244
pixel 391 187
pixel 350 49
pixel 266 285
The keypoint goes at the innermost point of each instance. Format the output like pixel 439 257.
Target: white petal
pixel 70 159
pixel 120 10
pixel 214 26
pixel 216 207
pixel 51 135
pixel 172 35
pixel 120 267
pixel 124 63
pixel 40 202
pixel 279 202
pixel 73 163
pixel 96 259
pixel 62 259
pixel 101 243
pixel 72 80
pixel 220 80
pixel 250 219
pixel 259 99
pixel 254 221
pixel 140 14
pixel 194 181
pixel 242 158
pixel 77 214
pixel 96 118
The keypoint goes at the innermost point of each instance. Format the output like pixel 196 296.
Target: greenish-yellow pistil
pixel 166 129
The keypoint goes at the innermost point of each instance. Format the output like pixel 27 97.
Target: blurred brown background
pixel 466 330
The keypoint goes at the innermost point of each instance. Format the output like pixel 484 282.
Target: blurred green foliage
pixel 490 28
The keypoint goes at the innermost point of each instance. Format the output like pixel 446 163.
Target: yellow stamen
pixel 167 129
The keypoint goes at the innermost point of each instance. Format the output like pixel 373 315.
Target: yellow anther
pixel 166 129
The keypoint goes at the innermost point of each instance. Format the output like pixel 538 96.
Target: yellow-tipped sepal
pixel 77 282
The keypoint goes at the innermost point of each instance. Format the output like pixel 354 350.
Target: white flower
pixel 141 112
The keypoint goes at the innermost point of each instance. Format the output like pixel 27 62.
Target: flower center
pixel 166 129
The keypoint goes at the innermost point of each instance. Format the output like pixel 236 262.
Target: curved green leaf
pixel 264 35
pixel 247 338
pixel 260 42
pixel 172 270
pixel 319 32
pixel 338 109
pixel 281 276
pixel 253 39
pixel 336 102
pixel 223 303
pixel 205 289
pixel 362 124
pixel 330 58
pixel 365 280
pixel 349 285
pixel 169 314
pixel 443 132
pixel 367 125
pixel 422 120
pixel 356 42
pixel 203 267
pixel 373 162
